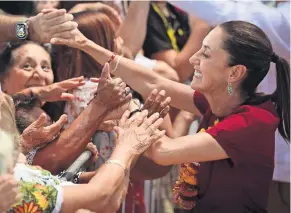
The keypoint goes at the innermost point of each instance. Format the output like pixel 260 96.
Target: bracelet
pixel 133 112
pixel 117 162
pixel 111 58
pixel 116 65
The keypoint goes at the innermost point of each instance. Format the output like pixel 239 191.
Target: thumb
pixel 118 131
pixel 105 72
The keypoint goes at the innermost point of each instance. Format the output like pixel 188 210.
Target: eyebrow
pixel 206 47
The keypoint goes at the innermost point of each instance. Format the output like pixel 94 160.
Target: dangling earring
pixel 229 89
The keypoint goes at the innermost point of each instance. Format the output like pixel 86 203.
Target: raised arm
pixel 41 28
pixel 144 80
pixel 133 29
pixel 60 154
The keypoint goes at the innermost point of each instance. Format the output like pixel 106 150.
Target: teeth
pixel 198 74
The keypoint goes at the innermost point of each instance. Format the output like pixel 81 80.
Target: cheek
pixel 15 81
pixel 49 78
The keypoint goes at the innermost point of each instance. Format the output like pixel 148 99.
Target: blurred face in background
pixel 50 4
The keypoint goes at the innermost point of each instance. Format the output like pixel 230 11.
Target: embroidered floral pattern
pixel 186 188
pixel 39 189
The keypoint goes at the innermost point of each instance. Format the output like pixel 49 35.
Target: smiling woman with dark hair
pixel 234 146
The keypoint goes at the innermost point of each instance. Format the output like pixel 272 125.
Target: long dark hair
pixel 248 45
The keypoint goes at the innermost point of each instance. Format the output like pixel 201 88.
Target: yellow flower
pixel 202 130
pixel 216 122
pixel 41 200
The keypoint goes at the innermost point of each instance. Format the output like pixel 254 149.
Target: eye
pixel 45 68
pixel 27 67
pixel 205 55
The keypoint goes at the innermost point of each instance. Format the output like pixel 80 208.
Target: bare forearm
pixel 60 154
pixel 145 80
pixel 146 169
pixel 133 28
pixel 102 194
pixel 199 147
pixel 182 123
pixel 8 27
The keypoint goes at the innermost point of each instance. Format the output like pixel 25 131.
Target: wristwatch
pixel 22 30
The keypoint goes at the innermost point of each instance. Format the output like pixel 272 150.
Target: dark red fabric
pixel 134 202
pixel 241 183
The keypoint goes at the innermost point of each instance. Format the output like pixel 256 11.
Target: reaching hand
pixel 58 91
pixel 112 94
pixel 9 192
pixel 74 39
pixel 95 155
pixel 50 23
pixel 38 133
pixel 138 132
pixel 158 102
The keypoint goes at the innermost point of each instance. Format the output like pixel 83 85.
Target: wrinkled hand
pixel 38 133
pixel 95 155
pixel 50 23
pixel 9 192
pixel 137 133
pixel 157 102
pixel 58 91
pixel 112 94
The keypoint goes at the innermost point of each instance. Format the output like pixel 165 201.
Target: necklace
pixel 186 188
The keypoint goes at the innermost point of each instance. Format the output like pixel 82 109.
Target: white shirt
pixel 275 22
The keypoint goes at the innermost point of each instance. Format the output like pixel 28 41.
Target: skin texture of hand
pixel 50 23
pixel 58 91
pixel 112 93
pixel 38 133
pixel 74 39
pixel 157 102
pixel 138 132
pixel 9 192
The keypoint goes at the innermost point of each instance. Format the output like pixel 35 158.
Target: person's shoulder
pixel 264 114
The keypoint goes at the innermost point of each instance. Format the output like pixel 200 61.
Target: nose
pixel 194 60
pixel 38 73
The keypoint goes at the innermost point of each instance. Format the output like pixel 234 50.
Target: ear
pixel 237 73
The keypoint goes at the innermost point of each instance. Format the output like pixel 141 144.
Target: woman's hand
pixel 157 102
pixel 9 192
pixel 137 133
pixel 39 133
pixel 112 94
pixel 58 91
pixel 74 39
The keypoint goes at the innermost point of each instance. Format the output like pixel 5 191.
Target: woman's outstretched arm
pixel 137 77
